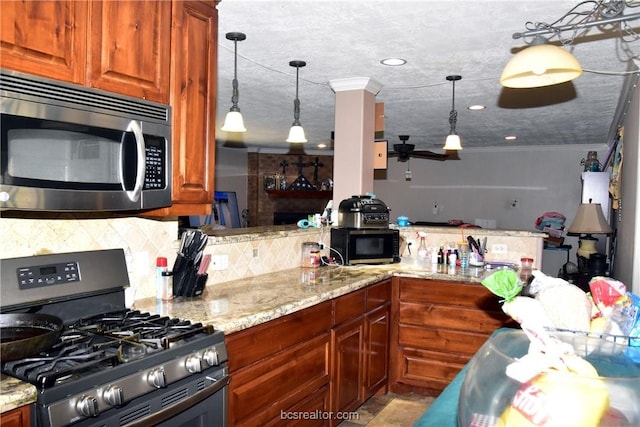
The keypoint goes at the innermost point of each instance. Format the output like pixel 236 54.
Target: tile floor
pixel 390 410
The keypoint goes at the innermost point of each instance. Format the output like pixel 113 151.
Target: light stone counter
pixel 15 393
pixel 240 304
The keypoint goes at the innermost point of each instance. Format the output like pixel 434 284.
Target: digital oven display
pixel 47 275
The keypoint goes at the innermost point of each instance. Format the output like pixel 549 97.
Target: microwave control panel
pixel 154 178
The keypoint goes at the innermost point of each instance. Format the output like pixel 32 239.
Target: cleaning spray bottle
pixel 423 253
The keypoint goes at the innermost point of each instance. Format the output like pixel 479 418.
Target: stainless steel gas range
pixel 111 366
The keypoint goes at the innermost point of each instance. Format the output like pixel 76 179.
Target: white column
pixel 353 152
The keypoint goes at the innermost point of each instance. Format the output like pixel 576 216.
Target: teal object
pixel 443 412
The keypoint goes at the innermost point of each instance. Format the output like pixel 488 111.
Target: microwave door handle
pixel 134 126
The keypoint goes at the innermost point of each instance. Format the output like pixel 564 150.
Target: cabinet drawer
pixel 451 317
pixel 430 369
pixel 348 307
pixel 452 293
pixel 441 340
pixel 249 346
pixel 259 392
pixel 378 295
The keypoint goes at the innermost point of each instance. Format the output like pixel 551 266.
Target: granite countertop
pixel 241 304
pixel 15 393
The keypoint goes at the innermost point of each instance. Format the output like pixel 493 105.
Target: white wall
pixel 484 184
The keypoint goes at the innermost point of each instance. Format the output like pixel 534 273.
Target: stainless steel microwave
pixel 366 246
pixel 66 147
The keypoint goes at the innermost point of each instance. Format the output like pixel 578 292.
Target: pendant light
pixel 296 133
pixel 233 121
pixel 453 139
pixel 541 64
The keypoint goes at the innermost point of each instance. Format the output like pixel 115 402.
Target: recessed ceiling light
pixel 510 138
pixel 393 61
pixel 322 145
pixel 476 107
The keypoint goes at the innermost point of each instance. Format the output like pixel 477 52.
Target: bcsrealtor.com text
pixel 318 415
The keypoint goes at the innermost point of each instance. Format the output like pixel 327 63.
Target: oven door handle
pixel 181 406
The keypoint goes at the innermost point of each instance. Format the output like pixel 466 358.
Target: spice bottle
pixel 164 288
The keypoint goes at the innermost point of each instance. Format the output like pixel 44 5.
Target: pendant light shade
pixel 453 139
pixel 296 133
pixel 233 122
pixel 539 65
pixel 452 142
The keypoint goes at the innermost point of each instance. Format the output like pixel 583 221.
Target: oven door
pixel 206 408
pixel 196 401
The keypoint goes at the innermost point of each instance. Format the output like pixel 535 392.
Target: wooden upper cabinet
pixel 193 98
pixel 129 48
pixel 45 38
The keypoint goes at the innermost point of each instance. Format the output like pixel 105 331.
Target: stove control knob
pixel 156 378
pixel 193 363
pixel 211 356
pixel 87 406
pixel 113 395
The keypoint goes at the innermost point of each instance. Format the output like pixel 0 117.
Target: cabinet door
pixel 376 352
pixel 130 48
pixel 193 98
pixel 259 393
pixel 46 38
pixel 347 373
pixel 19 417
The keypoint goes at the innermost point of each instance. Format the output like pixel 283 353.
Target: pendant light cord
pixel 296 103
pixel 236 93
pixel 453 115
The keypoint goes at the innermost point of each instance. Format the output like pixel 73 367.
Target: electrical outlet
pixel 499 248
pixel 255 252
pixel 219 262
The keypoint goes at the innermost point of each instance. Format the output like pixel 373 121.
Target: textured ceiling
pixel 343 39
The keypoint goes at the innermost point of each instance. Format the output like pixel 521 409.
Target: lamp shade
pixel 296 134
pixel 589 220
pixel 233 122
pixel 540 65
pixel 452 142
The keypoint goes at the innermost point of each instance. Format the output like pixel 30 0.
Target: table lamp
pixel 588 220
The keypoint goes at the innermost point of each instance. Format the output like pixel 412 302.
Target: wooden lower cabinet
pixel 279 368
pixel 376 351
pixel 348 347
pixel 19 417
pixel 360 340
pixel 300 369
pixel 438 326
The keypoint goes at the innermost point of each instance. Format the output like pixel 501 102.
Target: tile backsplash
pixel 145 239
pixel 249 254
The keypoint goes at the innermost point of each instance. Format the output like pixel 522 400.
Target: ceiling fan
pixel 405 151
